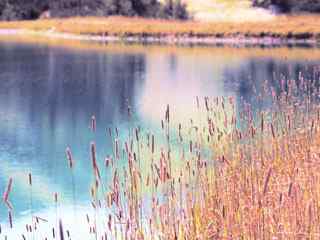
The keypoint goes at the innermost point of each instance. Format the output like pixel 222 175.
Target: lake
pixel 49 93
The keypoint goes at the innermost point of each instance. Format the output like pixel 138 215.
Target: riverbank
pixel 278 31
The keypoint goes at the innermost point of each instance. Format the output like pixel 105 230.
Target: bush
pixel 293 6
pixel 174 9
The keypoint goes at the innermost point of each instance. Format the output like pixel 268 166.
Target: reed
pixel 71 166
pixel 31 202
pixel 61 232
pixel 233 174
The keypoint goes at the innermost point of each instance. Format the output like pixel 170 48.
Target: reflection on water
pixel 48 94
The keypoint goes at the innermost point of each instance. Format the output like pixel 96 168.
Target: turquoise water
pixel 48 95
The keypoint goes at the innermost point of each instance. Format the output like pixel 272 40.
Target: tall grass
pixel 236 173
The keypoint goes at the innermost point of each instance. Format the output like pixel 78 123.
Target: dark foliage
pixel 32 9
pixel 174 9
pixel 294 6
pixel 22 9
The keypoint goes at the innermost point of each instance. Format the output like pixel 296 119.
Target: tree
pixel 289 5
pixel 112 7
pixel 32 9
pixel 174 9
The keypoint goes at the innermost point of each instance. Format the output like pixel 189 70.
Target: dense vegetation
pixel 33 9
pixel 290 5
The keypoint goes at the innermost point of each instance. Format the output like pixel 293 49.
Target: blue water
pixel 48 95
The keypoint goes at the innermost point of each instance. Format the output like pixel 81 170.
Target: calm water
pixel 48 95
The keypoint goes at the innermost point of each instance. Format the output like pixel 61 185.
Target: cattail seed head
pixel 69 157
pixel 93 123
pixel 30 179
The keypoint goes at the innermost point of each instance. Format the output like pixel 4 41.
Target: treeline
pixel 293 6
pixel 33 9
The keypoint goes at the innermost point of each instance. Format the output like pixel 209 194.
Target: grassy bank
pixel 280 27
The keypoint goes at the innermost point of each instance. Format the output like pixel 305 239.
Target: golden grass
pixel 307 26
pixel 266 185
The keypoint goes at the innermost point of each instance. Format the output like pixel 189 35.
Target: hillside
pixel 226 10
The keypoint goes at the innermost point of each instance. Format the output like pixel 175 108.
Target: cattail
pixel 206 103
pixel 109 222
pixel 290 189
pixel 7 192
pixel 61 233
pixel 93 123
pixel 252 131
pixel 272 131
pixel 69 157
pixel 129 111
pixel 56 197
pixel 267 181
pixel 30 179
pixel 280 198
pixel 167 117
pixel 107 162
pixel 152 144
pixel 10 219
pixel 179 131
pixel 289 122
pixel 117 149
pixel 137 134
pixel 198 103
pixel 93 157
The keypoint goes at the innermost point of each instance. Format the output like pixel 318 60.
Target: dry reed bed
pixel 295 27
pixel 231 174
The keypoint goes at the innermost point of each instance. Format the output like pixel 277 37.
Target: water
pixel 48 95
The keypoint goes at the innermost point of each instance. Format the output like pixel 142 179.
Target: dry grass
pixel 231 174
pixel 282 26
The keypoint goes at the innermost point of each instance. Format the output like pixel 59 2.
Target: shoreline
pixel 283 30
pixel 238 41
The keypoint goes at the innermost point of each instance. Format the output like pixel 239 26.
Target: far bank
pixel 302 29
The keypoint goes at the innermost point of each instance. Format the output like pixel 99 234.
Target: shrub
pixel 290 5
pixel 174 9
